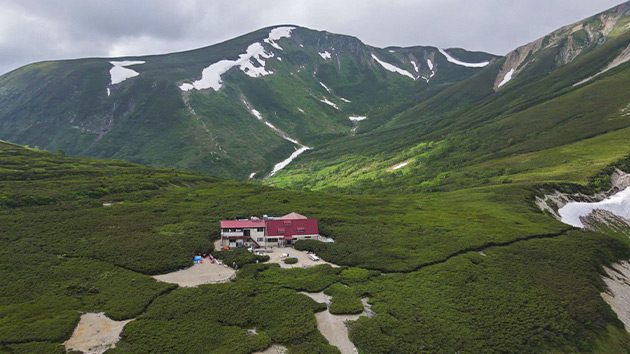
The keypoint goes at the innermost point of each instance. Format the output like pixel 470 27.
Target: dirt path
pixel 198 274
pixel 274 349
pixel 618 294
pixel 95 334
pixel 333 327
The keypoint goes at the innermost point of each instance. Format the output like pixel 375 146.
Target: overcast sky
pixel 35 30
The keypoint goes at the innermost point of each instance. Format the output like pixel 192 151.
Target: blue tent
pixel 197 259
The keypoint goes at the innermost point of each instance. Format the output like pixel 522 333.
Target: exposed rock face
pixel 620 180
pixel 603 218
pixel 618 293
pixel 572 40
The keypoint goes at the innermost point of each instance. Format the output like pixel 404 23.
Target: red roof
pixel 278 227
pixel 239 224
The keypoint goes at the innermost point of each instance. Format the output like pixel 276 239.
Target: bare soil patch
pixel 198 274
pixel 95 334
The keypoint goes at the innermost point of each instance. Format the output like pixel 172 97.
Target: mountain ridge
pixel 318 81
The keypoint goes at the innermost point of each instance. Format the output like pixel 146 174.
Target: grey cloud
pixel 34 30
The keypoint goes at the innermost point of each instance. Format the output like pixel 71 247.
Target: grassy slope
pixel 94 258
pixel 441 137
pixel 146 119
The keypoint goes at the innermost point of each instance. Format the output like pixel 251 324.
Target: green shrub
pixel 344 300
pixel 290 260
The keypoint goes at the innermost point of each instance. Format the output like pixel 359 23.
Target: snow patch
pixel 285 163
pixel 507 78
pixel 279 59
pixel 357 118
pixel 345 100
pixel 430 64
pixel 461 63
pixel 300 109
pixel 256 114
pixel 324 86
pixel 211 76
pixel 400 166
pixel 277 33
pixel 252 175
pixel 325 55
pixel 618 204
pixel 393 68
pixel 324 100
pixel 120 73
pixel 108 92
pixel 415 67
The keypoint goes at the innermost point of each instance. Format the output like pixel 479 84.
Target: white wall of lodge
pixel 255 237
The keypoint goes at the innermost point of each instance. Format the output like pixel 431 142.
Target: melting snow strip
pixel 507 78
pixel 329 103
pixel 357 118
pixel 415 67
pixel 120 73
pixel 461 63
pixel 324 86
pixel 345 100
pixel 400 166
pixel 283 164
pixel 393 68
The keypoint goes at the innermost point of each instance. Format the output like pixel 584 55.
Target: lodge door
pixel 246 232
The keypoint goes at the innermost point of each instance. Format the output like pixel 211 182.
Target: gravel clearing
pixel 95 334
pixel 303 260
pixel 198 274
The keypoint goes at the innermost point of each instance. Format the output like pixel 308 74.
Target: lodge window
pixel 287 223
pixel 260 239
pixel 307 236
pixel 260 229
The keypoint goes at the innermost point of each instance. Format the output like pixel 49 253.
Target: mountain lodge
pixel 268 232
